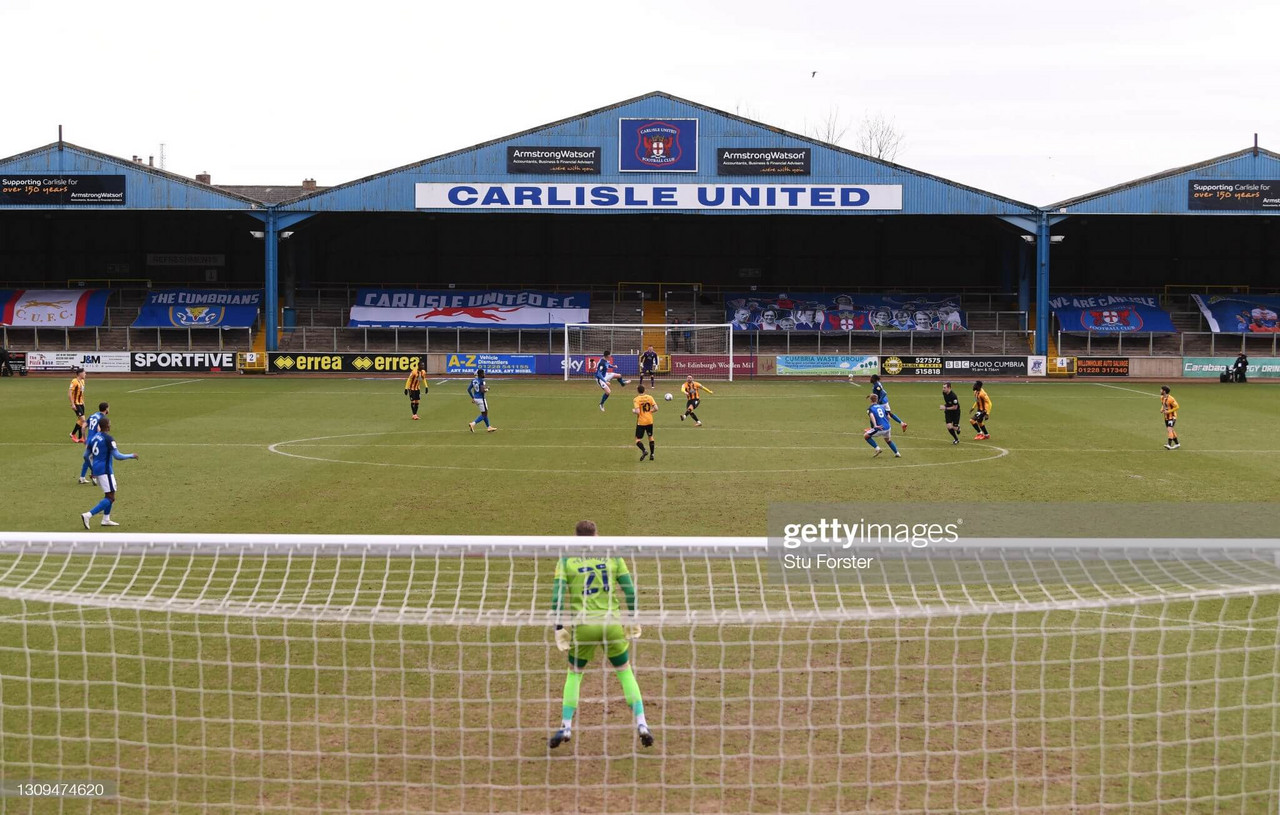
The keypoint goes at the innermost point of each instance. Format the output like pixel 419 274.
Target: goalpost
pixel 702 349
pixel 320 673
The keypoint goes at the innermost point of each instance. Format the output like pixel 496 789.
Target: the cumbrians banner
pixel 1111 313
pixel 410 308
pixel 38 308
pixel 762 311
pixel 199 308
pixel 1240 313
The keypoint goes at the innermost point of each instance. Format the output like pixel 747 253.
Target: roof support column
pixel 273 224
pixel 1042 284
pixel 271 246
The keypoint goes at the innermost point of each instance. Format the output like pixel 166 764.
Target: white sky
pixel 1037 101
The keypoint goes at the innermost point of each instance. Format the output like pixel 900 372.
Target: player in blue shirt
pixel 91 427
pixel 103 454
pixel 606 371
pixel 478 390
pixel 880 427
pixel 882 398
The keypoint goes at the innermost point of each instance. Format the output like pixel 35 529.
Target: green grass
pixel 346 457
pixel 1167 706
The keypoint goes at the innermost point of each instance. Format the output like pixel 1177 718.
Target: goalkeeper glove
pixel 406 391
pixel 562 639
pixel 634 631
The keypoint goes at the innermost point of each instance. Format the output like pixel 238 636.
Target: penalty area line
pixel 1118 388
pixel 166 385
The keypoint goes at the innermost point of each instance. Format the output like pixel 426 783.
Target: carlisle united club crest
pixel 196 316
pixel 658 145
pixel 1111 319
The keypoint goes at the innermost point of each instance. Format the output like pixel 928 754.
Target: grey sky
pixel 1036 101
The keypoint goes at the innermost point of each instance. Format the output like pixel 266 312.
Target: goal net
pixel 701 349
pixel 339 673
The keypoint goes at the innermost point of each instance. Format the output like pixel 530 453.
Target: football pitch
pixel 300 686
pixel 342 455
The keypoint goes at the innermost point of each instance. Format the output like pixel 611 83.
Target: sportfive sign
pixel 194 362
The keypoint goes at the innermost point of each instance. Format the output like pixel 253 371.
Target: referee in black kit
pixel 951 411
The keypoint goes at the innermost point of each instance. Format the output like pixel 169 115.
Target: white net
pixel 703 350
pixel 326 673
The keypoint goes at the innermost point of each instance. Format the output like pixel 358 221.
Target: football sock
pixel 414 407
pixel 75 430
pixel 892 446
pixel 632 693
pixel 870 441
pixel 572 683
pixel 650 448
pixel 953 433
pixel 640 444
pixel 84 468
pixel 102 506
pixel 895 418
pixel 693 416
pixel 983 428
pixel 603 398
pixel 485 416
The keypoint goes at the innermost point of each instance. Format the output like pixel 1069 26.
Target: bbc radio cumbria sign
pixel 477 196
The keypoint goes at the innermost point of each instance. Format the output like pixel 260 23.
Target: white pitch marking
pixel 166 385
pixel 1118 388
pixel 275 448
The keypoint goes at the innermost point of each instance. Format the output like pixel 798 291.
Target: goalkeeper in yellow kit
pixel 591 586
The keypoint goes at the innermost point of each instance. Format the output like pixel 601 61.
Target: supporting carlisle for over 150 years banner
pixel 408 308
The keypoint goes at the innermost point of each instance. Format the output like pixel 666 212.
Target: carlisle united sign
pixel 479 196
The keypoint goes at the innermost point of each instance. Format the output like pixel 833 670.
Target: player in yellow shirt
pixel 415 386
pixel 644 407
pixel 692 398
pixel 1169 410
pixel 75 393
pixel 981 411
pixel 593 618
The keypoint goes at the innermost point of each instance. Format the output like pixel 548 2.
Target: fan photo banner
pixel 760 311
pixel 199 308
pixel 39 308
pixel 1240 314
pixel 408 308
pixel 1111 313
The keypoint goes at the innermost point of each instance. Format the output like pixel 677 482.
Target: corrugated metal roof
pixel 146 187
pixel 1165 192
pixel 268 193
pixel 392 190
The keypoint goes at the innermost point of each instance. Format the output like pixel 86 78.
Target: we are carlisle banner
pixel 408 308
pixel 1111 313
pixel 199 308
pixel 1240 314
pixel 762 311
pixel 38 308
